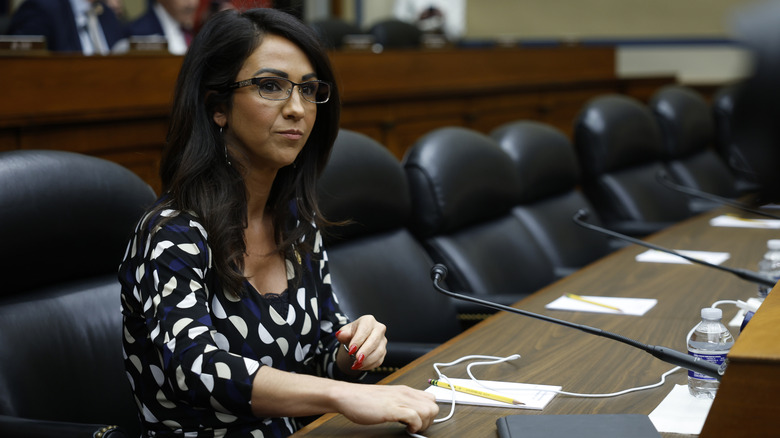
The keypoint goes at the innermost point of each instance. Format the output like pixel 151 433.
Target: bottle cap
pixel 711 313
pixel 773 244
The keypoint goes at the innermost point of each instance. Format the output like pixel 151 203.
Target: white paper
pixel 655 256
pixel 627 306
pixel 738 222
pixel 533 396
pixel 680 412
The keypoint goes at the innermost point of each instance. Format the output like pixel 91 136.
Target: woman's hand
pixel 374 404
pixel 365 339
pixel 283 394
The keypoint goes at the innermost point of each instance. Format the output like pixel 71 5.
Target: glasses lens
pixel 281 88
pixel 274 88
pixel 318 93
pixel 315 91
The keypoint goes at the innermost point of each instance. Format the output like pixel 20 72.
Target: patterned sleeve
pixel 171 269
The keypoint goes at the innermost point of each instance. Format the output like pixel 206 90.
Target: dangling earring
pixel 227 158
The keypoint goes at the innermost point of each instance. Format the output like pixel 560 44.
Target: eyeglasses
pixel 276 88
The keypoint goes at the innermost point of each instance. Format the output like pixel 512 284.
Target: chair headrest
pixel 686 121
pixel 64 215
pixel 614 132
pixel 396 33
pixel 332 31
pixel 365 183
pixel 543 156
pixel 458 177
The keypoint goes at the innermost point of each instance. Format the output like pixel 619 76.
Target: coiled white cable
pixel 496 360
pixel 491 360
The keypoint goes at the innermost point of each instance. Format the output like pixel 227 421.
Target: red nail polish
pixel 353 349
pixel 337 334
pixel 359 362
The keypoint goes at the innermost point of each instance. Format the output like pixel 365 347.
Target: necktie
pixel 93 28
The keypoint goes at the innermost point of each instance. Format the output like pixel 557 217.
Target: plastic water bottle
pixel 769 265
pixel 709 340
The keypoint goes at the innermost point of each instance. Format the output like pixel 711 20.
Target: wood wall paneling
pixel 117 107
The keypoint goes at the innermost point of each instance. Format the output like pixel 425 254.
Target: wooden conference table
pixel 582 363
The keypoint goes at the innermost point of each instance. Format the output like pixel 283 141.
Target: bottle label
pixel 717 359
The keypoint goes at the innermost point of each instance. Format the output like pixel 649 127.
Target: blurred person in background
pixel 85 26
pixel 173 19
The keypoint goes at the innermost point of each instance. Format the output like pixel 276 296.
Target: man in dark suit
pixel 85 26
pixel 173 19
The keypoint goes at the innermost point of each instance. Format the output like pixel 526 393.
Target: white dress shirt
pixel 177 45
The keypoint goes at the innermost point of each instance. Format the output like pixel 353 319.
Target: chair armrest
pixel 564 271
pixel 29 428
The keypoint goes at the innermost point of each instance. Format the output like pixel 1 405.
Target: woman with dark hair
pixel 230 324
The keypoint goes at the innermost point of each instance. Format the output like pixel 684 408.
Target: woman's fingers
pixel 365 339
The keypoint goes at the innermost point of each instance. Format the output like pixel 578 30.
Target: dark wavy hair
pixel 194 169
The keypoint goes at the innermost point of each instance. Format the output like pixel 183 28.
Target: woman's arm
pixel 281 394
pixel 170 338
pixel 278 393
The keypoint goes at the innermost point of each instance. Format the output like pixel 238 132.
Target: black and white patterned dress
pixel 192 351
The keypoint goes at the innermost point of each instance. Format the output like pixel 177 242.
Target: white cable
pixel 614 394
pixel 495 360
pixel 717 303
pixel 492 360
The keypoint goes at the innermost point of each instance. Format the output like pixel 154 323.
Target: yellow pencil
pixel 478 393
pixel 585 300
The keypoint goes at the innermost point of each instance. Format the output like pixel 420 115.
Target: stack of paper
pixel 655 256
pixel 680 412
pixel 588 303
pixel 738 222
pixel 533 396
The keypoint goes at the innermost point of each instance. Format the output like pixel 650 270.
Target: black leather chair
pixel 546 165
pixel 620 151
pixel 723 105
pixel 755 125
pixel 393 33
pixel 64 223
pixel 377 267
pixel 463 190
pixel 688 132
pixel 332 31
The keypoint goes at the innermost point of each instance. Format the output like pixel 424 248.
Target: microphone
pixel 668 355
pixel 663 177
pixel 741 273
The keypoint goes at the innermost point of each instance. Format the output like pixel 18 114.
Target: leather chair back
pixel 377 267
pixel 463 190
pixel 688 132
pixel 546 164
pixel 620 151
pixel 65 218
pixel 396 34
